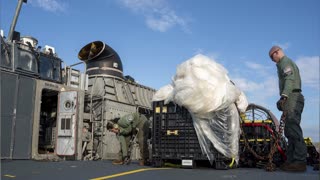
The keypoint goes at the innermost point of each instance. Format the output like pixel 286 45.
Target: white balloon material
pixel 203 87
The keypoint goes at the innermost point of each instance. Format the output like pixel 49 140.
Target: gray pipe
pixel 15 18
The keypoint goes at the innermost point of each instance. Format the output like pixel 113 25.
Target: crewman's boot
pixel 141 162
pixel 284 165
pixel 117 162
pixel 295 167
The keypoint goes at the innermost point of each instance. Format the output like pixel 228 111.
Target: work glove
pixel 281 102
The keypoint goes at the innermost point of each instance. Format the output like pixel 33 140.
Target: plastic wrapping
pixel 163 93
pixel 219 129
pixel 242 103
pixel 202 86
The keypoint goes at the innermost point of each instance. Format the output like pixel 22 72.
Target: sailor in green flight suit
pixel 125 127
pixel 291 101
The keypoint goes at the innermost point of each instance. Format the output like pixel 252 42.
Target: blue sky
pixel 153 37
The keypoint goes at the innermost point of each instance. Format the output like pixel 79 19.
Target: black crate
pixel 174 137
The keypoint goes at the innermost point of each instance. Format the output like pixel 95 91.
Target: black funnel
pixel 101 59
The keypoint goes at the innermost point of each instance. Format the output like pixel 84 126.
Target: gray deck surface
pixel 73 170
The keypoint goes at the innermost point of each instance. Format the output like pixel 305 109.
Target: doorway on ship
pixel 48 121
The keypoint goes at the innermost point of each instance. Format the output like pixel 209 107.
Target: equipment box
pixel 259 126
pixel 174 138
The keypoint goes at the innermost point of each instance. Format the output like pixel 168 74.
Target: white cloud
pixel 258 69
pixel 141 5
pixel 158 15
pixel 247 85
pixel 309 70
pixel 49 5
pixel 269 86
pixel 258 92
pixel 212 55
pixel 254 66
pixel 215 56
pixel 247 80
pixel 284 46
pixel 198 51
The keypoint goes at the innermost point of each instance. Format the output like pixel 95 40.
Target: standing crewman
pixel 127 126
pixel 291 101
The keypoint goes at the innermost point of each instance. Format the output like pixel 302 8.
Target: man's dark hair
pixel 109 125
pixel 115 120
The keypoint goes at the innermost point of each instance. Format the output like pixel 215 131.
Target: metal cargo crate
pixel 259 126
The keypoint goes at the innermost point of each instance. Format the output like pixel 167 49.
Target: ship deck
pixel 99 170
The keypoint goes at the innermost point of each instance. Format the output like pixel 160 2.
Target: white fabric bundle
pixel 203 87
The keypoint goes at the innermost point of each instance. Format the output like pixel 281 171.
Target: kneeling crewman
pixel 127 126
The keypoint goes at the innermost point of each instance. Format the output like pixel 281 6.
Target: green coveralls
pixel 126 125
pixel 290 86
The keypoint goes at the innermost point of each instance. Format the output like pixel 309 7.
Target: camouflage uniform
pixel 290 87
pixel 126 125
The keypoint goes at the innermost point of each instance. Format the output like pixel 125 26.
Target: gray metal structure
pixel 49 115
pixel 32 85
pixel 110 95
pixel 17 94
pixel 50 112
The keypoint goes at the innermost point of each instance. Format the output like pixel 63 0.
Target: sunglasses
pixel 271 56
